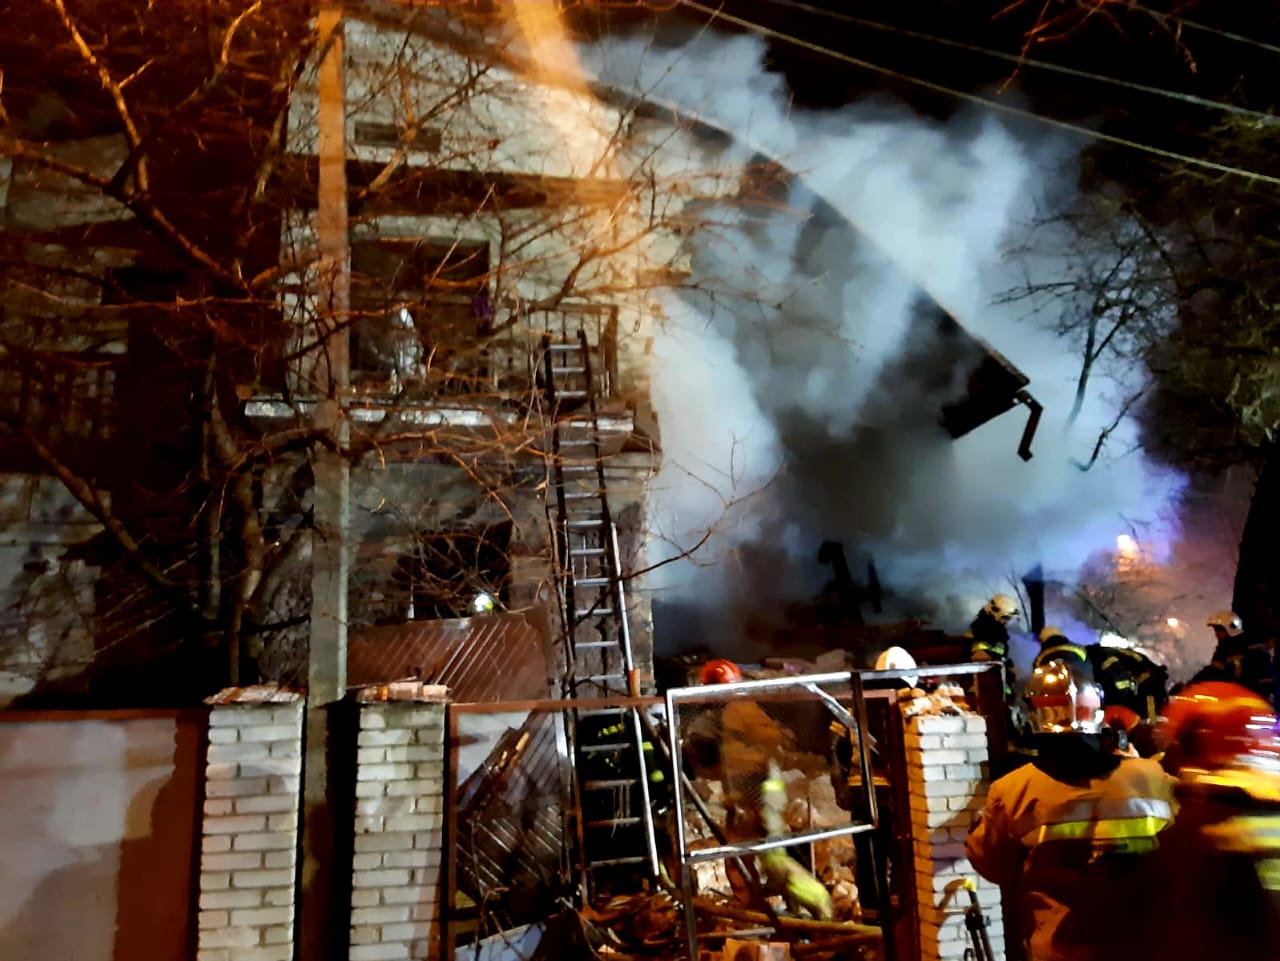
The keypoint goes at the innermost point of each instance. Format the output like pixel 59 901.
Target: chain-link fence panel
pixel 777 783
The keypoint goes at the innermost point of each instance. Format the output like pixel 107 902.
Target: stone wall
pixel 397 878
pixel 248 861
pixel 99 825
pixel 947 765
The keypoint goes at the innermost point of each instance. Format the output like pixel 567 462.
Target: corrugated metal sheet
pixel 497 657
pixel 509 846
pixel 510 825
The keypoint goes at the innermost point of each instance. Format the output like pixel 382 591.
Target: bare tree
pixel 1177 271
pixel 159 311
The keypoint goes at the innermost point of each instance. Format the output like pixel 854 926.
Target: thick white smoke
pixel 802 413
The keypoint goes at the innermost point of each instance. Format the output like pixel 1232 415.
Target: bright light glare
pixel 1172 621
pixel 1126 546
pixel 483 603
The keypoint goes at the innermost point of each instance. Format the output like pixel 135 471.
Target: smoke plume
pixel 808 410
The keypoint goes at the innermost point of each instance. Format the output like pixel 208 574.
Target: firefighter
pixel 988 635
pixel 719 671
pixel 1129 678
pixel 1070 834
pixel 1056 646
pixel 1219 864
pixel 1236 659
pixel 800 889
pixel 755 794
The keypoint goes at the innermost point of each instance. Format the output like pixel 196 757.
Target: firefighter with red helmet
pixel 1070 834
pixel 1219 864
pixel 719 671
pixel 751 745
pixel 1130 678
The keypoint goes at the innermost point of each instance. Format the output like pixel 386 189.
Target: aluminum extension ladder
pixel 614 822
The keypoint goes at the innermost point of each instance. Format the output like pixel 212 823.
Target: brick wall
pixel 250 833
pixel 947 767
pixel 396 878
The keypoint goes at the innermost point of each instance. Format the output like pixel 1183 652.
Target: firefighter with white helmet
pixel 1072 832
pixel 1219 864
pixel 898 659
pixel 1237 659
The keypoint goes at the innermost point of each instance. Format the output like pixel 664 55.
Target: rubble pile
pixel 947 700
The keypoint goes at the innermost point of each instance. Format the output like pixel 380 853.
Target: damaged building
pixel 445 422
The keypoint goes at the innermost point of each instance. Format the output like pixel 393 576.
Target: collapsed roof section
pixel 982 383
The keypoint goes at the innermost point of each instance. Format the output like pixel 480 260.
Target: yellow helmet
pixel 1002 607
pixel 1049 632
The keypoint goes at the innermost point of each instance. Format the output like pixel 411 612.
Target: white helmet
pixel 1049 632
pixel 1229 621
pixel 1059 703
pixel 897 659
pixel 1002 607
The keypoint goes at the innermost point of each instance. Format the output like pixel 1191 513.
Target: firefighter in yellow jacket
pixel 1070 835
pixel 1218 867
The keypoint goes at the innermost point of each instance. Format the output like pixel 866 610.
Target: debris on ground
pixel 946 700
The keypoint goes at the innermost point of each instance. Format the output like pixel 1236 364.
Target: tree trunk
pixel 1256 597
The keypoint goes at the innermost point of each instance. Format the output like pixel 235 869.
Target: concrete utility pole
pixel 329 375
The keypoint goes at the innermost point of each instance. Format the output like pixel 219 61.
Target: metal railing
pixel 733 740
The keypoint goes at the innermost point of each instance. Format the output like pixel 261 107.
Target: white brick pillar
pixel 250 832
pixel 947 767
pixel 396 878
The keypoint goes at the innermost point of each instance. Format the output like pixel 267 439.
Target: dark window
pixel 450 570
pixel 423 314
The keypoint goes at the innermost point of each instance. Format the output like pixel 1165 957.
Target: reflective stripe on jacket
pixel 1065 651
pixel 1217 891
pixel 1072 850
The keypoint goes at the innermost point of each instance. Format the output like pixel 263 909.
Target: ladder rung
pixel 594 612
pixel 568 370
pixel 586 522
pixel 597 678
pixel 563 348
pixel 592 581
pixel 580 467
pixel 572 394
pixel 593 645
pixel 610 784
pixel 580 495
pixel 613 862
pixel 586 551
pixel 613 822
pixel 618 746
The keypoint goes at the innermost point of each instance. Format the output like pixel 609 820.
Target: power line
pixel 1029 62
pixel 1168 18
pixel 1199 162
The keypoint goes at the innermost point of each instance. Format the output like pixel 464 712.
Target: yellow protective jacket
pixel 1218 871
pixel 1070 836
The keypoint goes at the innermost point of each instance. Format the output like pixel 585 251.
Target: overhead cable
pixel 1023 61
pixel 1198 162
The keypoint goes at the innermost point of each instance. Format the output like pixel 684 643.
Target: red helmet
pixel 1217 723
pixel 1120 718
pixel 719 671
